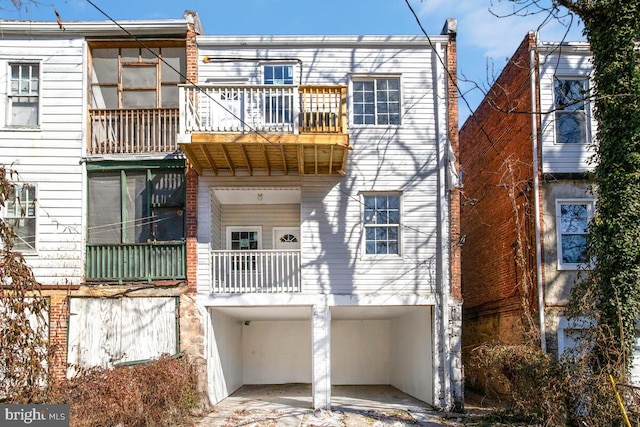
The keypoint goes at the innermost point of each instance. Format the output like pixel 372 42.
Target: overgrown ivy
pixel 612 288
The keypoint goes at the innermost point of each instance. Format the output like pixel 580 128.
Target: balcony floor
pixel 304 154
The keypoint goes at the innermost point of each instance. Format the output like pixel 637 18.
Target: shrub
pixel 160 393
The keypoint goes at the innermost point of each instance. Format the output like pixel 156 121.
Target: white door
pixel 226 112
pixel 244 239
pixel 286 238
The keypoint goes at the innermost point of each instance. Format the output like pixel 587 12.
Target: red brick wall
pixel 496 152
pixel 454 201
pixel 58 313
pixel 192 177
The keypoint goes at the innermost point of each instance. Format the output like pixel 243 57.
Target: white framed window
pixel 20 214
pixel 570 110
pixel 376 101
pixel 278 107
pixel 572 333
pixel 23 98
pixel 572 228
pixel 381 215
pixel 241 239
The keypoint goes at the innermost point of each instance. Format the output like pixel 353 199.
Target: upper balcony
pixel 133 131
pixel 279 129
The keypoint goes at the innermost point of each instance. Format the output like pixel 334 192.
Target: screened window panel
pixel 169 96
pixel 139 99
pixel 173 65
pixel 137 223
pixel 105 217
pixel 105 66
pixel 139 76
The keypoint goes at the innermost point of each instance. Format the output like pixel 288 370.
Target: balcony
pixel 255 271
pixel 135 262
pixel 269 129
pixel 133 131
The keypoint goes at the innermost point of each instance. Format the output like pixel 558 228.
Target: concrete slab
pixel 289 405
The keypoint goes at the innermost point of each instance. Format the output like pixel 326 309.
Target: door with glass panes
pixel 245 240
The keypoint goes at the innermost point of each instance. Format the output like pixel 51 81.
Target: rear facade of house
pixel 281 209
pixel 527 198
pixel 324 212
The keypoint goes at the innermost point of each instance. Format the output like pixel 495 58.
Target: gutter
pixel 536 191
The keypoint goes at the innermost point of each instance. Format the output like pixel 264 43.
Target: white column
pixel 321 342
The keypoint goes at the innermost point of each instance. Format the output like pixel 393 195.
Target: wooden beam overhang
pixel 250 154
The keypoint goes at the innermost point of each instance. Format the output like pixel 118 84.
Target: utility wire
pixel 248 126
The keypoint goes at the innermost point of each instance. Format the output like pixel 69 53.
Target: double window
pixel 23 99
pixel 20 214
pixel 381 220
pixel 570 110
pixel 572 225
pixel 136 206
pixel 376 101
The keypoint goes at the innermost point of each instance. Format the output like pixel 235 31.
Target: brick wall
pixel 496 160
pixel 192 177
pixel 454 200
pixel 58 313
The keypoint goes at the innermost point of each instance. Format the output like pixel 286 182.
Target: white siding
pixel 50 156
pixel 385 158
pixel 563 158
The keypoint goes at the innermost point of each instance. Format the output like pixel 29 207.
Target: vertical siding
pixel 563 158
pixel 50 156
pixel 104 332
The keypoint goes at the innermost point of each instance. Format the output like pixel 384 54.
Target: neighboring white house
pixel 324 212
pixel 88 127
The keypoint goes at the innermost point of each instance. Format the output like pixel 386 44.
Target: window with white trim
pixel 572 226
pixel 570 110
pixel 23 98
pixel 376 101
pixel 381 220
pixel 20 215
pixel 278 106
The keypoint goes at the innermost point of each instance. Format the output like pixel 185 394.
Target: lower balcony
pixel 255 271
pixel 136 262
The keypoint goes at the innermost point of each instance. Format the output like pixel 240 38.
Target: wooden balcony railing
pixel 152 130
pixel 261 271
pixel 139 261
pixel 263 108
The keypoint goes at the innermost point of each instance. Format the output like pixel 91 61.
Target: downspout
pixel 536 190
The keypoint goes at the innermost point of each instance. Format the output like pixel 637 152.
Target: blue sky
pixel 485 41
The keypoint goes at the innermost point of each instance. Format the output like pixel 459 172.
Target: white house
pixel 88 128
pixel 326 212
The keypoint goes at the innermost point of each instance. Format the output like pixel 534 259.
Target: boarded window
pixel 105 332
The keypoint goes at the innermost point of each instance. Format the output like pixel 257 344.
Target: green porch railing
pixel 138 261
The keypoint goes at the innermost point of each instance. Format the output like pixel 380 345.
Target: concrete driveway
pixel 289 405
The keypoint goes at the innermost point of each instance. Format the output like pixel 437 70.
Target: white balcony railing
pixel 256 271
pixel 282 109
